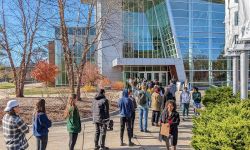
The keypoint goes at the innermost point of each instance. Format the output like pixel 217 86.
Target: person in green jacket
pixel 71 113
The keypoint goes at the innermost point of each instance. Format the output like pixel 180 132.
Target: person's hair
pixel 70 103
pixel 196 89
pixel 12 112
pixel 171 102
pixel 102 91
pixel 185 88
pixel 40 106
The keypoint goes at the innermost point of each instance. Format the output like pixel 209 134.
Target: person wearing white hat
pixel 14 128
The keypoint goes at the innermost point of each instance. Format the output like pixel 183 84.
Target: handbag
pixel 165 128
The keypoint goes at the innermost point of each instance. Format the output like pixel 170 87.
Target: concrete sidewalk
pixel 58 137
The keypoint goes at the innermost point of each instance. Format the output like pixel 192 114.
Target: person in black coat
pixel 167 96
pixel 100 113
pixel 171 116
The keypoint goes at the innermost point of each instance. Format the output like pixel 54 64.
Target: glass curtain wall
pixel 200 32
pixel 76 41
pixel 146 29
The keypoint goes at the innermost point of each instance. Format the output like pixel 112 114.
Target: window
pixel 236 1
pixel 236 18
pixel 236 39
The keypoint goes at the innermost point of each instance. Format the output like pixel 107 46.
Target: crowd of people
pixel 139 96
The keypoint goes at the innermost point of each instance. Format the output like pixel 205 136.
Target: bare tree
pixel 20 23
pixel 87 18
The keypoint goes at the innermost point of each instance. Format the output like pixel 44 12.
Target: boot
pixel 122 144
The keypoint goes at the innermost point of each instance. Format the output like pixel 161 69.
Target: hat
pixel 11 104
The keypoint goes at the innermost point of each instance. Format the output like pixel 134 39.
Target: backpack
pixel 142 99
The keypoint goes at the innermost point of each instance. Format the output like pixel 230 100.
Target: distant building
pixel 165 39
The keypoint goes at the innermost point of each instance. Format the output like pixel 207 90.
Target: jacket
pixel 173 120
pixel 73 120
pixel 100 109
pixel 14 130
pixel 185 97
pixel 41 123
pixel 167 96
pixel 148 98
pixel 196 97
pixel 156 101
pixel 125 105
pixel 173 89
pixel 134 103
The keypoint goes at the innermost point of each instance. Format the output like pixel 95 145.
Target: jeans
pixel 155 116
pixel 185 109
pixel 125 121
pixel 143 114
pixel 100 133
pixel 72 140
pixel 132 123
pixel 42 142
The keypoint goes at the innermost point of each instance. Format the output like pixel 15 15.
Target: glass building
pixel 166 39
pixel 76 40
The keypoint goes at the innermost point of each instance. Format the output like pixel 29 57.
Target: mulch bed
pixel 55 107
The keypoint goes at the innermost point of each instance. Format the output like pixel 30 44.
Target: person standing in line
pixel 173 89
pixel 100 113
pixel 156 106
pixel 72 115
pixel 143 104
pixel 184 101
pixel 171 116
pixel 41 123
pixel 150 90
pixel 14 128
pixel 133 111
pixel 125 105
pixel 167 96
pixel 196 95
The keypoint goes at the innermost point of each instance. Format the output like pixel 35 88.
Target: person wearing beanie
pixel 14 128
pixel 100 113
pixel 125 105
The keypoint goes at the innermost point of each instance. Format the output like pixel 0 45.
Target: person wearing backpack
pixel 156 106
pixel 166 97
pixel 185 100
pixel 133 111
pixel 41 123
pixel 72 115
pixel 142 101
pixel 100 113
pixel 125 105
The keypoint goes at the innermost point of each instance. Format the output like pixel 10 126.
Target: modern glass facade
pixel 76 40
pixel 200 34
pixel 189 29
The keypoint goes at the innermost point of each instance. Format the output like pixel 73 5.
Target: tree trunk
pixel 20 89
pixel 78 88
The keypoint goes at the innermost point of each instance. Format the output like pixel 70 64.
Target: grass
pixel 6 85
pixel 43 90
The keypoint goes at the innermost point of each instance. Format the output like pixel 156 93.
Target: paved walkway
pixel 58 137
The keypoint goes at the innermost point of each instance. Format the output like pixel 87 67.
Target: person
pixel 156 106
pixel 133 111
pixel 72 115
pixel 100 113
pixel 185 100
pixel 197 100
pixel 41 123
pixel 150 90
pixel 14 128
pixel 171 116
pixel 125 105
pixel 143 101
pixel 166 96
pixel 173 89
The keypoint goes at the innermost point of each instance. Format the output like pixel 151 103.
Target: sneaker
pixel 153 124
pixel 104 148
pixel 122 144
pixel 183 119
pixel 131 144
pixel 141 130
pixel 146 131
pixel 97 148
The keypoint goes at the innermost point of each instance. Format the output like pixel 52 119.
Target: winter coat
pixel 100 109
pixel 73 120
pixel 125 105
pixel 166 97
pixel 173 120
pixel 196 97
pixel 156 101
pixel 41 123
pixel 173 89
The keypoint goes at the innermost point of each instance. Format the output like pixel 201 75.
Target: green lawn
pixel 6 85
